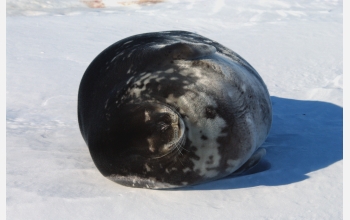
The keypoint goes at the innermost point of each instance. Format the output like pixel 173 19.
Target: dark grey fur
pixel 171 109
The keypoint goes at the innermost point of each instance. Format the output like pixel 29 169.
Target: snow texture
pixel 296 46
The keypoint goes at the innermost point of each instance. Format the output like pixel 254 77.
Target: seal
pixel 172 109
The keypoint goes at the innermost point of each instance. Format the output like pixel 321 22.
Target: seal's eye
pixel 165 117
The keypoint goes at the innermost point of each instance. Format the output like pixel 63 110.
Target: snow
pixel 297 48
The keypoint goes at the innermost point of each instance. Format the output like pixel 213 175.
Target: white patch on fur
pixel 157 46
pixel 129 80
pixel 113 59
pixel 129 55
pixel 128 42
pixel 194 105
pixel 206 149
pixel 255 132
pixel 187 169
pixel 106 103
pixel 243 87
pixel 145 78
pixel 150 144
pixel 232 165
pixel 171 99
pixel 147 117
pixel 169 70
pixel 147 167
pixel 137 91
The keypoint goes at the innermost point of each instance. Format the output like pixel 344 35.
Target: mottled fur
pixel 171 109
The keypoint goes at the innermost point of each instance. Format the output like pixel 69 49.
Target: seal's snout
pixel 166 129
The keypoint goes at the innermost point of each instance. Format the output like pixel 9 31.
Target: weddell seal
pixel 172 109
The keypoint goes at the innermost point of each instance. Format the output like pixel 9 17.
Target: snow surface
pixel 295 45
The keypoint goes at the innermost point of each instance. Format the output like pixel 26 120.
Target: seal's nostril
pixel 162 126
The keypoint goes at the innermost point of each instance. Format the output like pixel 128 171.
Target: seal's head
pixel 136 146
pixel 149 129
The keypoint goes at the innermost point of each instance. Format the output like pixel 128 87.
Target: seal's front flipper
pixel 251 167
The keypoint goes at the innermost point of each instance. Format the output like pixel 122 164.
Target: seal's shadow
pixel 305 136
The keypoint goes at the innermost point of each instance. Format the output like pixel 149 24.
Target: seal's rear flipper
pixel 251 167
